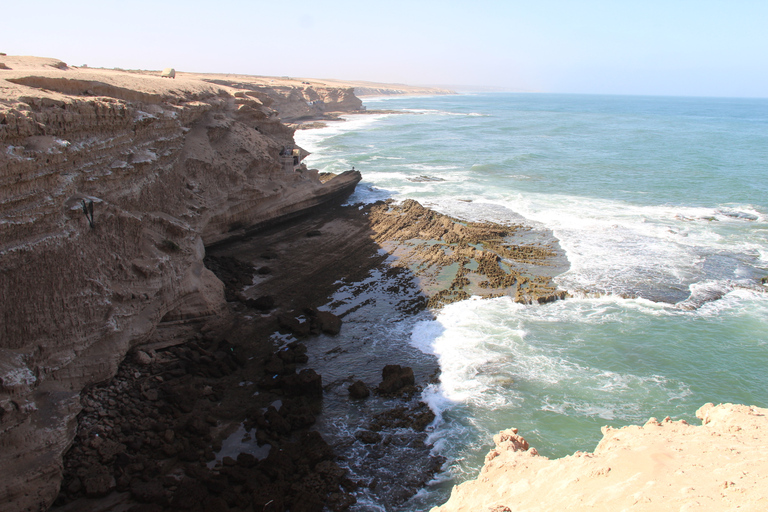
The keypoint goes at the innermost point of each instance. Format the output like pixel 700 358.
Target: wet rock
pixel 368 437
pixel 552 297
pixel 298 416
pixel 314 448
pixel 263 303
pixel 424 178
pixel 358 390
pixel 276 422
pixel 395 378
pixel 416 418
pixel 293 353
pixel 246 460
pixel 327 322
pixel 305 383
pixel 299 327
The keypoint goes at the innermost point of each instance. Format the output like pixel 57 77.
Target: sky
pixel 648 47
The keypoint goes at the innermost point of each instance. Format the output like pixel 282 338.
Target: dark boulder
pixel 368 437
pixel 359 390
pixel 148 492
pixel 98 482
pixel 189 494
pixel 277 423
pixel 328 323
pixel 299 327
pixel 263 303
pixel 305 383
pixel 396 378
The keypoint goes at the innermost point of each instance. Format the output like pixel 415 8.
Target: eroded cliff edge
pixel 662 465
pixel 168 167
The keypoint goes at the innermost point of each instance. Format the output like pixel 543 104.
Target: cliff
pixel 302 102
pixel 364 88
pixel 667 465
pixel 166 166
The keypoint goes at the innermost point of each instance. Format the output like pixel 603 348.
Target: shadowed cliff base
pixel 213 413
pixel 160 167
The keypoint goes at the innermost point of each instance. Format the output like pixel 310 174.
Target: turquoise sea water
pixel 661 205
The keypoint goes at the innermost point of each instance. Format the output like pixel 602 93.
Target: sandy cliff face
pixel 298 101
pixel 667 465
pixel 169 167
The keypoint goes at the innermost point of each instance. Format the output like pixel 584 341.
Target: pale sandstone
pixel 662 465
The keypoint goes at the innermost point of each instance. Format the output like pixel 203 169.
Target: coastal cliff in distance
pixel 111 185
pixel 662 465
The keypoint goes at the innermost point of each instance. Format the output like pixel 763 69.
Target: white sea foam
pixel 444 112
pixel 374 158
pixel 427 167
pixel 482 343
pixel 314 139
pixel 615 247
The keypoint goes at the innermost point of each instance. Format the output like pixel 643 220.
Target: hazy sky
pixel 672 47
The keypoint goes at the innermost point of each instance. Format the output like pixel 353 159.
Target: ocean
pixel 661 207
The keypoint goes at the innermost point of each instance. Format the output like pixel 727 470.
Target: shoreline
pixel 204 383
pixel 273 277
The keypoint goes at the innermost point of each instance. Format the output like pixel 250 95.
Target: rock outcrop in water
pixel 455 259
pixel 662 465
pixel 111 185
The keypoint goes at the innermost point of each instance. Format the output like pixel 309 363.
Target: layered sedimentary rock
pixel 457 259
pixel 299 102
pixel 662 465
pixel 111 185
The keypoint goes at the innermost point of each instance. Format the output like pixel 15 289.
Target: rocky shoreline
pixel 159 428
pixel 127 352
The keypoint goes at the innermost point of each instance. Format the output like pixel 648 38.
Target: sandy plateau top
pixel 662 465
pixel 18 67
pixel 185 84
